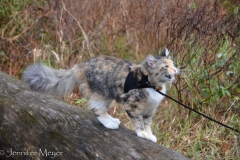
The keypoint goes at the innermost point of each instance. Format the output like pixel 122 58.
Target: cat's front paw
pixel 153 138
pixel 145 135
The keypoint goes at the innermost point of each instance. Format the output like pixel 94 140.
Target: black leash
pixel 195 110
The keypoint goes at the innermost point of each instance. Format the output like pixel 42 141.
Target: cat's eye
pixel 156 74
pixel 166 66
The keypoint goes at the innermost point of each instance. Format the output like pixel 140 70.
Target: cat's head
pixel 160 69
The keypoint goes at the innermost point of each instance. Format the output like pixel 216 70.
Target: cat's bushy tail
pixel 44 79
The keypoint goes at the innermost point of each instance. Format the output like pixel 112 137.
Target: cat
pixel 103 79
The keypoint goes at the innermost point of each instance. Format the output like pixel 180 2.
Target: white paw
pixel 142 134
pixel 108 122
pixel 116 120
pixel 153 138
pixel 145 135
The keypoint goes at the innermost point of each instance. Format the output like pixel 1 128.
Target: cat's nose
pixel 173 70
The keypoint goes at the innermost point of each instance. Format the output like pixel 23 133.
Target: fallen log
pixel 38 126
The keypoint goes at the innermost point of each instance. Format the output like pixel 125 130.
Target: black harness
pixel 131 82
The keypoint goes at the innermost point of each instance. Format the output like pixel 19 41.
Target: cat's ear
pixel 164 53
pixel 151 61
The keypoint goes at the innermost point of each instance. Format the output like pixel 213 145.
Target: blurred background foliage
pixel 203 37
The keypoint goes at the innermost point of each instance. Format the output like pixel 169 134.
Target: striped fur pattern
pixel 101 80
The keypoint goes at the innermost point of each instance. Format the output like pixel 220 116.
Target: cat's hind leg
pixel 100 107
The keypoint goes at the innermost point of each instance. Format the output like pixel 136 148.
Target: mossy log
pixel 39 126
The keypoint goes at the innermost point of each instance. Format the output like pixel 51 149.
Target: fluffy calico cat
pixel 104 79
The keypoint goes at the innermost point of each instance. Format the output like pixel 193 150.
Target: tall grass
pixel 203 37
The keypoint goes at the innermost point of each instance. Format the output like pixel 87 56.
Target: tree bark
pixel 39 126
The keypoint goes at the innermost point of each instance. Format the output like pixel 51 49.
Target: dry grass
pixel 203 38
